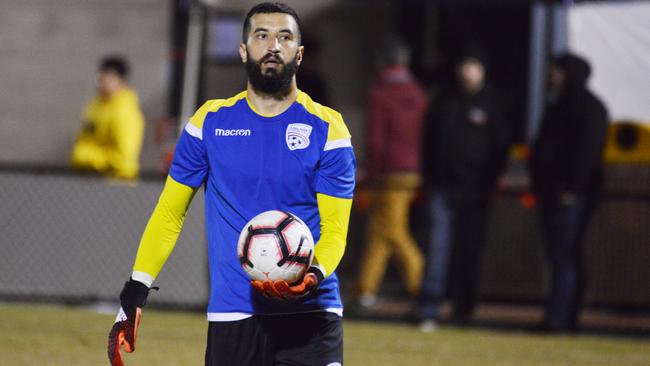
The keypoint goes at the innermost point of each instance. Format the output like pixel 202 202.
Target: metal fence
pixel 67 237
pixel 74 238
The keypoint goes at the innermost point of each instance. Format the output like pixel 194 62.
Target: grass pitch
pixel 51 335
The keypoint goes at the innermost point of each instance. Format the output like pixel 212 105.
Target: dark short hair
pixel 394 51
pixel 576 68
pixel 473 52
pixel 266 8
pixel 116 64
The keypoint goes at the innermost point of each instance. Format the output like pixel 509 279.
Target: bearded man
pixel 270 147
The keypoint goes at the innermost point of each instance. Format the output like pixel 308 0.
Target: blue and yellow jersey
pixel 299 161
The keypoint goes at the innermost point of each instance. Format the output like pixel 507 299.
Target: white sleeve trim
pixel 143 277
pixel 336 144
pixel 194 131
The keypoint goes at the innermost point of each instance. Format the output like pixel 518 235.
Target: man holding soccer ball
pixel 271 147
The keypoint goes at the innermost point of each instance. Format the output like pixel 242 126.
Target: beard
pixel 272 81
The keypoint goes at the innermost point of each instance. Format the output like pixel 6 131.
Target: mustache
pixel 272 57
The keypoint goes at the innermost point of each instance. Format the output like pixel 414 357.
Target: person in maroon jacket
pixel 395 112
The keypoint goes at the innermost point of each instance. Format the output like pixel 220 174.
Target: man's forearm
pixel 335 218
pixel 161 233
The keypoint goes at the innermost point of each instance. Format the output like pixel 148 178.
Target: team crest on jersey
pixel 297 136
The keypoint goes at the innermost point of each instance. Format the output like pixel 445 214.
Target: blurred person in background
pixel 567 171
pixel 465 148
pixel 110 140
pixel 394 117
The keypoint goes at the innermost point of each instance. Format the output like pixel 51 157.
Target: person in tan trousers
pixel 395 112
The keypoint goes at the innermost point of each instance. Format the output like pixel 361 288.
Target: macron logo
pixel 233 132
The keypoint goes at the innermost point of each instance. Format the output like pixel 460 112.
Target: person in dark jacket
pixel 464 150
pixel 567 170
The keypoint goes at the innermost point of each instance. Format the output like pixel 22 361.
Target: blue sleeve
pixel 336 173
pixel 190 163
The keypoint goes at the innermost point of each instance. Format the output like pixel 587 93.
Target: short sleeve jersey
pixel 248 164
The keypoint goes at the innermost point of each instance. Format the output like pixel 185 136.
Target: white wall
pixel 615 38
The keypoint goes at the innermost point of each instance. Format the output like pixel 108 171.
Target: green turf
pixel 48 335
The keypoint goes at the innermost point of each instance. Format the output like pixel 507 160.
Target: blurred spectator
pixel 567 169
pixel 465 148
pixel 395 112
pixel 111 138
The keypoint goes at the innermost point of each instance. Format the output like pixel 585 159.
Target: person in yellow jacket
pixel 111 138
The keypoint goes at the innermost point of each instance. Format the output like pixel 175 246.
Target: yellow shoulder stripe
pixel 212 106
pixel 337 128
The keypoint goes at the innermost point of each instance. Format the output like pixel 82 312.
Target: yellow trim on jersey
pixel 334 220
pixel 212 106
pixel 250 105
pixel 337 129
pixel 161 233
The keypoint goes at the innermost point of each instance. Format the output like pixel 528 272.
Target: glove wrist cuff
pixel 318 272
pixel 134 295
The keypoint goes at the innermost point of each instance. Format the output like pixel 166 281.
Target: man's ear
pixel 301 51
pixel 243 53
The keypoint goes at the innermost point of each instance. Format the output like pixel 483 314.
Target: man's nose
pixel 274 45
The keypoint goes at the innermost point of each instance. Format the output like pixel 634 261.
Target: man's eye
pixel 285 38
pixel 261 36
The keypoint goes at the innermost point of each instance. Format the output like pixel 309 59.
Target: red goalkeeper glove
pixel 281 290
pixel 132 299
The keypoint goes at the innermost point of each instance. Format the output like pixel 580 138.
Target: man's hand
pixel 125 330
pixel 281 290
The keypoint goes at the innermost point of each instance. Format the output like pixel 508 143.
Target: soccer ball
pixel 275 245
